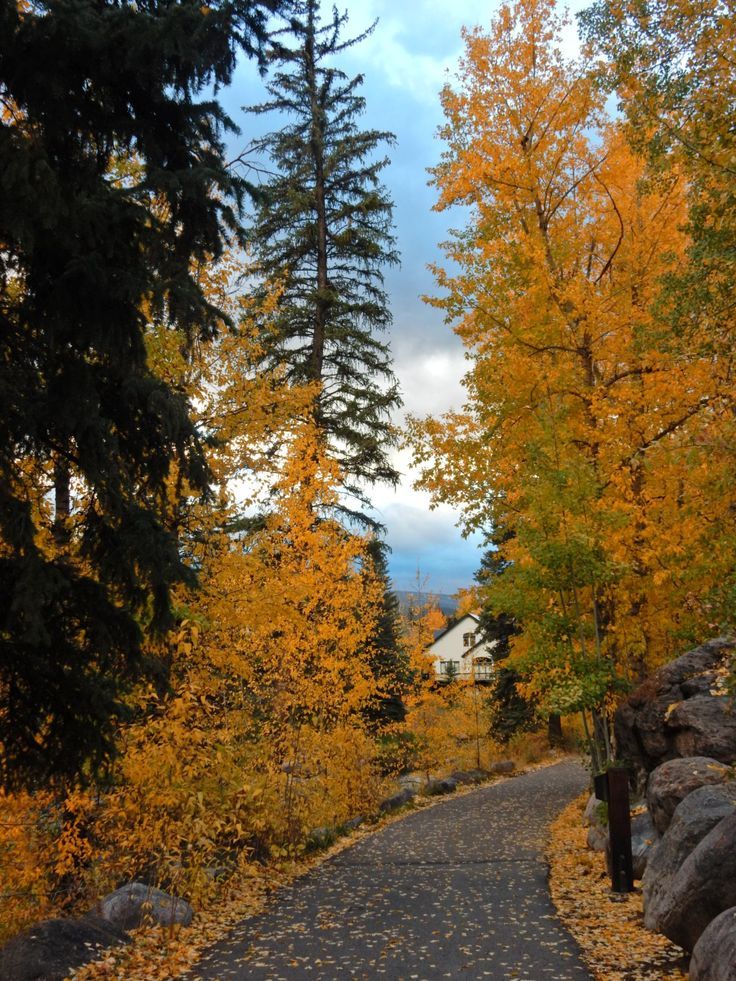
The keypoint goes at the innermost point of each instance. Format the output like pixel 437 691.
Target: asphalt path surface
pixel 458 890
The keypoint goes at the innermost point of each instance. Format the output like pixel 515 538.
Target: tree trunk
pixel 317 148
pixel 554 731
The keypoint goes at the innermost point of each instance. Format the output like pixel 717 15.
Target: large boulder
pixel 52 949
pixel 693 819
pixel 705 725
pixel 704 886
pixel 136 903
pixel 679 712
pixel 671 783
pixel 714 955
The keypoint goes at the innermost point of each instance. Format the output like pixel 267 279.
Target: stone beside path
pixel 458 890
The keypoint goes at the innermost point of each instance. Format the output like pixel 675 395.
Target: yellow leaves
pixel 587 424
pixel 670 709
pixel 611 936
pixel 186 639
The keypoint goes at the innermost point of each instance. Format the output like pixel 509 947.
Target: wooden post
pixel 619 828
pixel 613 787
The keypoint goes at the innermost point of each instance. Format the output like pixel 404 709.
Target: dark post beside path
pixel 613 787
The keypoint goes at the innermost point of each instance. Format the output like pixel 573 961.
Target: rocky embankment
pixel 678 732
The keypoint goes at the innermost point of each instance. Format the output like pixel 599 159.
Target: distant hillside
pixel 446 603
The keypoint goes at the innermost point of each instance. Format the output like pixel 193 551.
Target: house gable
pixel 459 650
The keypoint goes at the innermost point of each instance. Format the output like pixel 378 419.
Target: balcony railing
pixel 478 672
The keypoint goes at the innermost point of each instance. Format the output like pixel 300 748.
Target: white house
pixel 460 652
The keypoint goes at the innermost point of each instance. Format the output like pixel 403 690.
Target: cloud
pixel 424 538
pixel 417 74
pixel 430 375
pixel 428 543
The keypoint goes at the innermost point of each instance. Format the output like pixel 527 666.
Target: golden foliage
pixel 594 439
pixel 449 725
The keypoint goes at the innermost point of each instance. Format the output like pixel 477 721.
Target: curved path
pixel 454 891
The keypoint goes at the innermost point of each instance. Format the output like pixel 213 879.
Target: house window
pixel 450 668
pixel 468 640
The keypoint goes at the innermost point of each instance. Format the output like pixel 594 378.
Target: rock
pixel 705 726
pixel 416 782
pixel 701 684
pixel 595 814
pixel 469 776
pixel 598 837
pixel 503 766
pixel 437 787
pixel 134 903
pixel 714 955
pixel 694 818
pixel 704 886
pixel 673 781
pixel 354 823
pixel 644 842
pixel 593 811
pixel 597 820
pixel 50 950
pixel 652 726
pixel 700 659
pixel 396 801
pixel 321 838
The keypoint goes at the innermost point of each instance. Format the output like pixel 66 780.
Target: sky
pixel 413 51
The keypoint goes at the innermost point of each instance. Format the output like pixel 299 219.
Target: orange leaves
pixel 260 737
pixel 585 431
pixel 25 864
pixel 45 846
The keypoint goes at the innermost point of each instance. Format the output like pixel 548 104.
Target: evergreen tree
pixel 388 660
pixel 87 258
pixel 323 228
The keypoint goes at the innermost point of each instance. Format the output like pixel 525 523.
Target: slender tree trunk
pixel 317 148
pixel 554 730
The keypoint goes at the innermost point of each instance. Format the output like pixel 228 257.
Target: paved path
pixel 455 891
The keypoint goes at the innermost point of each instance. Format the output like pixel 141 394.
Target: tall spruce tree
pixel 388 660
pixel 324 229
pixel 86 261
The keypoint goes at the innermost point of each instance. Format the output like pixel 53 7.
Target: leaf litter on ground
pixel 608 927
